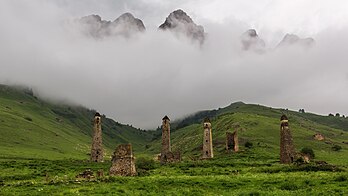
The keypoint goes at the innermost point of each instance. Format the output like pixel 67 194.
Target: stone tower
pixel 166 150
pixel 207 140
pixel 287 150
pixel 97 154
pixel 232 141
pixel 123 163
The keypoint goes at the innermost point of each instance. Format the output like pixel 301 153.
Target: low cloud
pixel 140 79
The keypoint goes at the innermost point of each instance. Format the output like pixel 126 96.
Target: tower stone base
pixel 123 161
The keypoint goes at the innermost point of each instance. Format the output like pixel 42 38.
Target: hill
pixel 260 126
pixel 34 128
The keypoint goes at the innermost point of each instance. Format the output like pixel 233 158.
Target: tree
pixel 337 114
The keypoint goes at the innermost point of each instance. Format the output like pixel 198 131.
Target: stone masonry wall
pixel 123 161
pixel 232 141
pixel 166 149
pixel 207 152
pixel 97 153
pixel 287 150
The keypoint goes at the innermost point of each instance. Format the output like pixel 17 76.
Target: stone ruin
pixel 318 136
pixel 171 157
pixel 167 156
pixel 207 152
pixel 97 153
pixel 287 150
pixel 87 174
pixel 232 141
pixel 123 161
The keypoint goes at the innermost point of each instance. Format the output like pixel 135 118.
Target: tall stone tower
pixel 287 150
pixel 97 154
pixel 165 139
pixel 207 140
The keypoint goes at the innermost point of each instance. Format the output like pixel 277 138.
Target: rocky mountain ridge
pixel 179 23
pixel 125 25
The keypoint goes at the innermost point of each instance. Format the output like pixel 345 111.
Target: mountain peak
pixel 251 33
pixel 180 22
pixel 91 18
pixel 292 39
pixel 251 41
pixel 125 25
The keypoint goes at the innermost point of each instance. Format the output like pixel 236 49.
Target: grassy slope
pixel 260 125
pixel 32 128
pixel 242 174
pixel 254 171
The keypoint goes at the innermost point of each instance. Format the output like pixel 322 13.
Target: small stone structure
pixel 166 149
pixel 232 141
pixel 97 153
pixel 318 136
pixel 87 174
pixel 207 152
pixel 123 161
pixel 287 150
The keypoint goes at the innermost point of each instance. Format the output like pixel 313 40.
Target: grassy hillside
pixel 33 128
pixel 240 107
pixel 33 131
pixel 260 126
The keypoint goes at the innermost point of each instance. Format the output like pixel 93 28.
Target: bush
pixel 336 147
pixel 248 144
pixel 289 186
pixel 308 151
pixel 341 178
pixel 144 165
pixel 28 119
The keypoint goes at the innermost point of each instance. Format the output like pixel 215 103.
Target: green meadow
pixel 44 146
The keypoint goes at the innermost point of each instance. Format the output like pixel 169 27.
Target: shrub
pixel 289 186
pixel 144 165
pixel 248 144
pixel 308 151
pixel 341 178
pixel 336 147
pixel 28 119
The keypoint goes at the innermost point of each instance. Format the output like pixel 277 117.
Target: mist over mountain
pixel 251 41
pixel 179 22
pixel 125 25
pixel 139 79
pixel 292 39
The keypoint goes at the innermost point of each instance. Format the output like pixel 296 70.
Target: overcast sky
pixel 139 80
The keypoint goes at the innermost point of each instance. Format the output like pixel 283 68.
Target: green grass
pixel 43 146
pixel 236 174
pixel 33 128
pixel 260 125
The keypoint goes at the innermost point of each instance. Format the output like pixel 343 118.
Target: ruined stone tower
pixel 123 161
pixel 207 152
pixel 166 150
pixel 287 150
pixel 232 141
pixel 97 154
